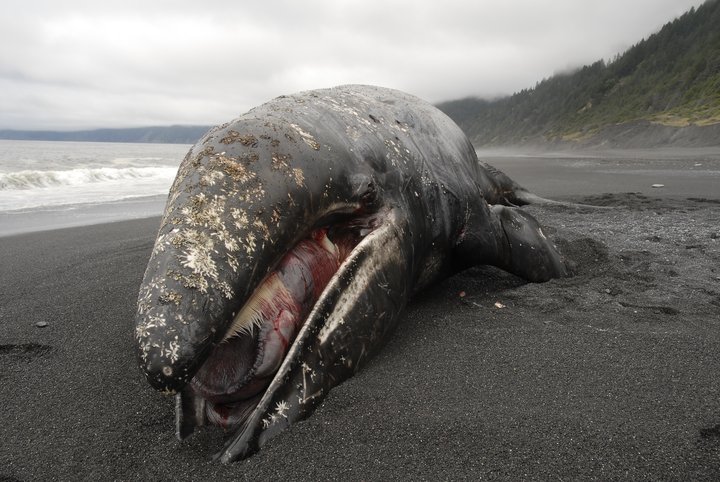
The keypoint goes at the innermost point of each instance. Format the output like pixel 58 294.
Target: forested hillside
pixel 665 84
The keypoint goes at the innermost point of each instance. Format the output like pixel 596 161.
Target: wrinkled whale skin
pixel 251 189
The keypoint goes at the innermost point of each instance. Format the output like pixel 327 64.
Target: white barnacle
pixel 223 235
pixel 200 262
pixel 198 254
pixel 226 290
pixel 262 228
pixel 142 331
pixel 306 137
pixel 159 244
pixel 210 177
pixel 249 243
pixel 299 177
pixel 255 193
pixel 240 217
pixel 281 408
pixel 155 321
pixel 214 212
pixel 275 216
pixel 145 349
pixel 231 243
pixel 171 352
pixel 233 262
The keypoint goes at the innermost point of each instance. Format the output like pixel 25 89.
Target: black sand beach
pixel 611 374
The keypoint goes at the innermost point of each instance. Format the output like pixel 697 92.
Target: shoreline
pixel 682 172
pixel 18 222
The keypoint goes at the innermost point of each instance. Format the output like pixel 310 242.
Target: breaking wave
pixel 23 180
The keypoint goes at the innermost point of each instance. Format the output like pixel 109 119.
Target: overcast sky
pixel 76 64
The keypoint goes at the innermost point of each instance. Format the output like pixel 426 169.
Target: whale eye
pixel 364 190
pixel 370 196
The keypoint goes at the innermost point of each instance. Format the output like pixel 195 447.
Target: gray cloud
pixel 82 64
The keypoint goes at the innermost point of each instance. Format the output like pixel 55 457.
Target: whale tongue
pixel 277 336
pixel 229 366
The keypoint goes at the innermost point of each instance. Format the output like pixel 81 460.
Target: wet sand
pixel 610 374
pixel 43 219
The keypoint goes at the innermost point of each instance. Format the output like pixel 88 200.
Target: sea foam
pixel 30 179
pixel 53 176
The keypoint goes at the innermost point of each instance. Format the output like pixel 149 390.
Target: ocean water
pixel 49 174
pixel 54 184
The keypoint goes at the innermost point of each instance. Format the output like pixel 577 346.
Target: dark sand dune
pixel 611 374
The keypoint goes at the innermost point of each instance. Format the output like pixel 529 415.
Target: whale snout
pixel 165 367
pixel 172 336
pixel 166 376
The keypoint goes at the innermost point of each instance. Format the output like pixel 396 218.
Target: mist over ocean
pixel 41 180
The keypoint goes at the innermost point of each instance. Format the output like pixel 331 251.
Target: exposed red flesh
pixel 240 368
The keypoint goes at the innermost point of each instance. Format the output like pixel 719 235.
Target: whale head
pixel 249 241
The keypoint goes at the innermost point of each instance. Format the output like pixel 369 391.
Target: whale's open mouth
pixel 231 381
